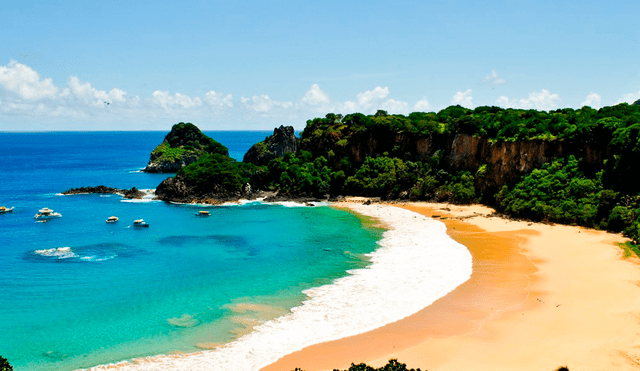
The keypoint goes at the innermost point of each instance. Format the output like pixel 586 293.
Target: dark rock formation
pixel 126 193
pixel 282 141
pixel 637 103
pixel 180 189
pixel 184 145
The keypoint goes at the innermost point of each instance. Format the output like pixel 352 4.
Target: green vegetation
pixel 558 192
pixel 629 249
pixel 392 365
pixel 215 169
pixel 4 364
pixel 186 140
pixel 589 177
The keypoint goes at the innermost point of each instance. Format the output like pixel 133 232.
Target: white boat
pixel 5 209
pixel 112 219
pixel 140 223
pixel 46 213
pixel 203 213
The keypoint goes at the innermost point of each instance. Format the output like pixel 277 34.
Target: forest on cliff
pixel 570 166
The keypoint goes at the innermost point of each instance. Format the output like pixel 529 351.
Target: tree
pixel 4 364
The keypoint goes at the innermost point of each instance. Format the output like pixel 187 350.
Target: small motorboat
pixel 140 223
pixel 203 213
pixel 112 219
pixel 46 214
pixel 5 209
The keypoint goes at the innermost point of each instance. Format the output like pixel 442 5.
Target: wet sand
pixel 540 296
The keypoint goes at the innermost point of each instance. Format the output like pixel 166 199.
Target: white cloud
pixel 26 83
pixel 167 101
pixel 371 96
pixel 370 101
pixel 395 106
pixel 422 105
pixel 494 79
pixel 218 99
pixel 629 98
pixel 264 104
pixel 463 98
pixel 543 100
pixel 593 100
pixel 87 93
pixel 315 96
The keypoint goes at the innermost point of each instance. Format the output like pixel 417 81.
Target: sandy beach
pixel 540 296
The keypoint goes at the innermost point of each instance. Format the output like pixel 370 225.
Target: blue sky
pixel 227 65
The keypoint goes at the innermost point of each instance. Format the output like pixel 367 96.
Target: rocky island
pixel 184 145
pixel 126 193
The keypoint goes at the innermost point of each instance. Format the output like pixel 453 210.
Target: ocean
pixel 233 291
pixel 76 292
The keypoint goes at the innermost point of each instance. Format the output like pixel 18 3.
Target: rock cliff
pixel 282 141
pixel 181 189
pixel 184 144
pixel 494 164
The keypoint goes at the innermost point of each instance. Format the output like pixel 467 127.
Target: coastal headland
pixel 540 296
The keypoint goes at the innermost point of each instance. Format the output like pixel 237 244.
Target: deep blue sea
pixel 77 292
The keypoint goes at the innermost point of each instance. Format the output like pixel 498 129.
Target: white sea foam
pixel 94 258
pixel 149 196
pixel 416 263
pixel 59 252
pixel 299 204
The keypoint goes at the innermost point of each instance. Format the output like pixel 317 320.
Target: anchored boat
pixel 46 214
pixel 5 209
pixel 140 223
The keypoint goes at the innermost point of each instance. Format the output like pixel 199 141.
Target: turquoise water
pixel 77 292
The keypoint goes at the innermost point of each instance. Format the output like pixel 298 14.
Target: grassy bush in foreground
pixel 4 364
pixel 629 249
pixel 394 365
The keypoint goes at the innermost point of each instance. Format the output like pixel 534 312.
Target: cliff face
pixel 282 141
pixel 507 161
pixel 184 144
pixel 180 189
pixel 501 162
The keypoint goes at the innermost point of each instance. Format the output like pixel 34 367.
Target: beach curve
pixel 416 264
pixel 540 296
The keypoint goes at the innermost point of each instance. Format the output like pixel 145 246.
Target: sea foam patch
pixel 416 263
pixel 88 253
pixel 57 253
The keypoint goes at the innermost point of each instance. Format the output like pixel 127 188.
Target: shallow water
pixel 79 292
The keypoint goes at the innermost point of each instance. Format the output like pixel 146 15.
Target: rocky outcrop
pixel 180 189
pixel 504 162
pixel 126 193
pixel 184 145
pixel 282 141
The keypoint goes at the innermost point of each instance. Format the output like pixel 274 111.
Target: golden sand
pixel 540 296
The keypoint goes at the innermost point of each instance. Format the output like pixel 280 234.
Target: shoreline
pixel 395 285
pixel 540 297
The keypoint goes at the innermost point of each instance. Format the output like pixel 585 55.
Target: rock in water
pixel 282 141
pixel 184 145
